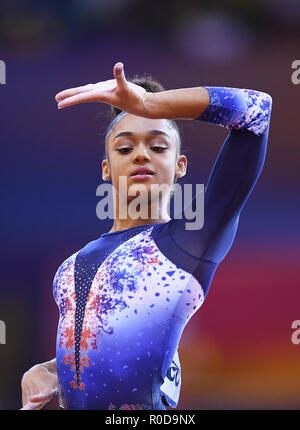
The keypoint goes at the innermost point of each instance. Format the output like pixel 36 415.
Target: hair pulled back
pixel 151 85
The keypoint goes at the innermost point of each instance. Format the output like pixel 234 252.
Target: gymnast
pixel 125 298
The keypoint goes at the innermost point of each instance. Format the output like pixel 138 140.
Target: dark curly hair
pixel 152 86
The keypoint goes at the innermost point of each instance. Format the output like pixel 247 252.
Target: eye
pixel 158 148
pixel 124 150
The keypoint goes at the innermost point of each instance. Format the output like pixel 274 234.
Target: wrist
pixel 154 105
pixel 50 366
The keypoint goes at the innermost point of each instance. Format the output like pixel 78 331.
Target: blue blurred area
pixel 51 160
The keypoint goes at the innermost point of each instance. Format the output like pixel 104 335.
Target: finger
pixel 86 97
pixel 24 398
pixel 42 396
pixel 26 392
pixel 73 91
pixel 120 74
pixel 31 406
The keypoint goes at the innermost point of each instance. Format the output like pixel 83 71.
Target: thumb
pixel 120 75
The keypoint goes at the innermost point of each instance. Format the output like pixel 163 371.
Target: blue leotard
pixel 126 297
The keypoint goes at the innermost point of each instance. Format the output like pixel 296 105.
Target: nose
pixel 141 155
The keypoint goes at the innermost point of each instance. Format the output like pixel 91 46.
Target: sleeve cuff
pixel 236 108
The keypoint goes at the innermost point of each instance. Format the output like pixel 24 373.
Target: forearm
pixel 183 103
pixel 232 108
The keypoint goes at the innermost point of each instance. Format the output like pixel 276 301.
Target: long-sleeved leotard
pixel 125 298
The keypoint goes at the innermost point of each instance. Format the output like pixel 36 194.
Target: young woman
pixel 126 297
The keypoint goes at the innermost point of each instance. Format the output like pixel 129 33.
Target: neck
pixel 124 224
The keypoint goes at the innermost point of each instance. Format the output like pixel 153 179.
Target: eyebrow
pixel 130 133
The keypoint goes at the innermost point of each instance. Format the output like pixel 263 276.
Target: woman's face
pixel 135 142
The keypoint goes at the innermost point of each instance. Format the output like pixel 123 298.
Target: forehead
pixel 141 126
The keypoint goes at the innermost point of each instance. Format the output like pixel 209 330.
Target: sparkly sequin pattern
pixel 120 323
pixel 239 109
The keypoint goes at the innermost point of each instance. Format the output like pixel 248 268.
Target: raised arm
pixel 246 113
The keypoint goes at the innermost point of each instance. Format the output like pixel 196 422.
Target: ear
pixel 106 176
pixel 181 166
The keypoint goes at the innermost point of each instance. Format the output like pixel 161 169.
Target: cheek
pixel 166 175
pixel 117 166
pixel 167 169
pixel 118 174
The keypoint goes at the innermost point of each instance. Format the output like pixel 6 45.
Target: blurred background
pixel 236 352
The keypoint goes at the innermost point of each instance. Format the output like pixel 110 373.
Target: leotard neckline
pixel 131 228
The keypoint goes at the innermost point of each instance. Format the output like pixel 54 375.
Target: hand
pixel 39 386
pixel 117 92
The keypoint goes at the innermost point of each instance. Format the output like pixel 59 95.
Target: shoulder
pixel 65 266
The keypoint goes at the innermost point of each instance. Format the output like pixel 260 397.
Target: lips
pixel 142 171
